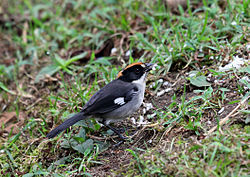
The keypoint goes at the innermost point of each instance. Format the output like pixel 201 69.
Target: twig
pixel 32 105
pixel 176 82
pixel 166 132
pixel 224 120
pixel 139 132
pixel 98 138
pixel 143 128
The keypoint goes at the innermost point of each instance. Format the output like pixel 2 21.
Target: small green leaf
pixel 222 147
pixel 193 73
pixel 81 136
pixel 48 70
pixel 199 81
pixel 102 145
pixel 59 61
pixel 224 89
pixel 247 120
pixel 244 81
pixel 245 69
pixel 110 132
pixel 103 61
pixel 62 160
pixel 86 146
pixel 79 139
pixel 234 101
pixel 245 111
pixel 2 86
pixel 29 175
pixel 216 73
pixel 195 147
pixel 75 58
pixel 132 152
pixel 143 40
pixel 97 126
pixel 65 144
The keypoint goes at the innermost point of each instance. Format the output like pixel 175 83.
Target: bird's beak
pixel 148 66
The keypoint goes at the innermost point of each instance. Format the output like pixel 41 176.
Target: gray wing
pixel 110 97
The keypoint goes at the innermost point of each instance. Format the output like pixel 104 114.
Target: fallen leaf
pixel 200 81
pixel 11 122
pixel 105 50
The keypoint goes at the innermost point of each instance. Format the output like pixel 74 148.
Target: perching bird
pixel 115 101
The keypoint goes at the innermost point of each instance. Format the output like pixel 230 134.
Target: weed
pixel 199 40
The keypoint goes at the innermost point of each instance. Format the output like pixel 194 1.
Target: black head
pixel 134 71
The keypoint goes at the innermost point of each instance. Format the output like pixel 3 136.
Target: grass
pixel 216 156
pixel 40 78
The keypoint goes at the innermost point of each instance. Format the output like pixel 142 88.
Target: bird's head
pixel 135 72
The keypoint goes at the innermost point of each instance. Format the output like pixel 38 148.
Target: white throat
pixel 142 80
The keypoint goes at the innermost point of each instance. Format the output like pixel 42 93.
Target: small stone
pixel 151 115
pixel 166 83
pixel 127 54
pixel 148 106
pixel 234 23
pixel 133 120
pixel 221 110
pixel 160 93
pixel 113 50
pixel 168 89
pixel 141 121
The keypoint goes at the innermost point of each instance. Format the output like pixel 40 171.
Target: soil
pixel 34 103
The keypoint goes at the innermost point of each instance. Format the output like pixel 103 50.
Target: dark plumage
pixel 115 101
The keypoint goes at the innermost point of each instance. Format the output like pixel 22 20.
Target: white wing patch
pixel 119 101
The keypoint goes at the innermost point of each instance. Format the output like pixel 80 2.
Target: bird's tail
pixel 71 121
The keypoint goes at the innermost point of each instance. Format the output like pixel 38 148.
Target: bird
pixel 115 101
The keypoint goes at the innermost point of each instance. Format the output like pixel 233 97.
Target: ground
pixel 195 117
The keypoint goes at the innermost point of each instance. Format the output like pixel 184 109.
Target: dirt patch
pixel 7 50
pixel 155 135
pixel 117 158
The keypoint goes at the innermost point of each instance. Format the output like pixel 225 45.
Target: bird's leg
pixel 114 130
pixel 121 130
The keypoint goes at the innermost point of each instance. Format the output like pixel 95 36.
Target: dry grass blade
pixel 224 120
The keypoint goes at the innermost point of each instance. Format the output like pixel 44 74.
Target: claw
pixel 121 130
pixel 118 144
pixel 123 137
pixel 115 130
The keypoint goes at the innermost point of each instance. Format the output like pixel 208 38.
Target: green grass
pixel 193 44
pixel 216 156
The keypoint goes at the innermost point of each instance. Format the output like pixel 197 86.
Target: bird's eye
pixel 137 70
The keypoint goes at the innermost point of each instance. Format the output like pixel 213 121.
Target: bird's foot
pixel 122 137
pixel 118 144
pixel 120 130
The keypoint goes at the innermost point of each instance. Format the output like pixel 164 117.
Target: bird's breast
pixel 127 109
